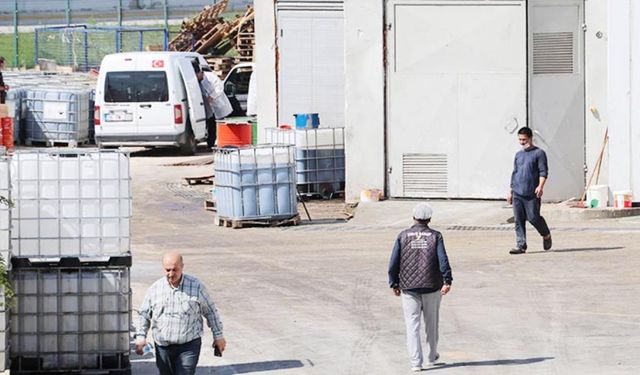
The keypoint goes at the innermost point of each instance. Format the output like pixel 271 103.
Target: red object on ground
pixel 7 132
pixel 234 134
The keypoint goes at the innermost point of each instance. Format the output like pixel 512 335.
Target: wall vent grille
pixel 424 173
pixel 553 53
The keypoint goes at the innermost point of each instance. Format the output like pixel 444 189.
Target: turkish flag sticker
pixel 157 63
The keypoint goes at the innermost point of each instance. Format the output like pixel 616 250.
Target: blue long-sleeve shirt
pixel 528 166
pixel 443 260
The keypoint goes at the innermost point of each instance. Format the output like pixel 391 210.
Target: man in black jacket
pixel 419 271
pixel 3 88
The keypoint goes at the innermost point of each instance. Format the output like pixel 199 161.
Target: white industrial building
pixel 431 92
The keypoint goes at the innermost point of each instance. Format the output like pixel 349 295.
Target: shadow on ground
pixel 496 362
pixel 166 151
pixel 149 367
pixel 578 249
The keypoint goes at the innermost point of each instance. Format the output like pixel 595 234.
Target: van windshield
pixel 136 87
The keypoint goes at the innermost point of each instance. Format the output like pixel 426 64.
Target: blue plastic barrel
pixel 307 120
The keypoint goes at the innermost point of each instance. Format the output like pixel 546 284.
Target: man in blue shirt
pixel 419 271
pixel 529 175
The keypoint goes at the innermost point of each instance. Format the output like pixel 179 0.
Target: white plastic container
pixel 255 182
pixel 5 210
pixel 70 203
pixel 320 157
pixel 4 332
pixel 598 196
pixel 71 318
pixel 55 114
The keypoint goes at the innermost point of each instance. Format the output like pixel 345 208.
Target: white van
pixel 150 99
pixel 238 86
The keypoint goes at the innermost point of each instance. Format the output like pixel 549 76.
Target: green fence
pixel 19 18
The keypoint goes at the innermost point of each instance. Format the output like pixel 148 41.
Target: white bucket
pixel 597 196
pixel 622 199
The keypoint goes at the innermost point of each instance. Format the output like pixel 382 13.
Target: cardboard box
pixel 4 110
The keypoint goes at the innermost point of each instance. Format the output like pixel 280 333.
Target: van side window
pixel 122 87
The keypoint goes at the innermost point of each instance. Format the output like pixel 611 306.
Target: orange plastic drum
pixel 234 134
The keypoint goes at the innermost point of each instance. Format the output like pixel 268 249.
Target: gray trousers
pixel 527 209
pixel 427 305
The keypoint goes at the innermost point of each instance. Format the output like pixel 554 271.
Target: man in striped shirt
pixel 173 308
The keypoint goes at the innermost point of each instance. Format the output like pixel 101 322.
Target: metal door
pixel 557 104
pixel 194 98
pixel 456 93
pixel 311 60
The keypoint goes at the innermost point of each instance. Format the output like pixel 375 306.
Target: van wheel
pixel 189 145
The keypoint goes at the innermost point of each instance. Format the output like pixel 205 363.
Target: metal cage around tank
pixel 256 183
pixel 71 319
pixel 320 158
pixel 83 46
pixel 70 202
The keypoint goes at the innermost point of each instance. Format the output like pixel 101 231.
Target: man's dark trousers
pixel 178 359
pixel 525 208
pixel 211 132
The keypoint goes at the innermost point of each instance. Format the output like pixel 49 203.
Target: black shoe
pixel 518 250
pixel 546 243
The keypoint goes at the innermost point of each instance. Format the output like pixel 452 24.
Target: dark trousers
pixel 178 359
pixel 211 132
pixel 527 209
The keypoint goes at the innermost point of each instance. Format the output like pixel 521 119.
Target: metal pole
pixel 120 13
pixel 86 50
pixel 166 40
pixel 37 52
pixel 68 12
pixel 166 14
pixel 16 61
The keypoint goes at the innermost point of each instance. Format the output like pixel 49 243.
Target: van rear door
pixel 155 111
pixel 119 105
pixel 194 96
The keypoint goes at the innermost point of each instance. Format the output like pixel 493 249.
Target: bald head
pixel 173 265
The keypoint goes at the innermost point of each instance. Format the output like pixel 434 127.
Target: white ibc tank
pixel 320 158
pixel 255 182
pixel 55 114
pixel 70 203
pixel 70 318
pixel 5 210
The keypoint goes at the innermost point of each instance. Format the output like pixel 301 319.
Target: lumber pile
pixel 220 64
pixel 209 34
pixel 194 29
pixel 244 35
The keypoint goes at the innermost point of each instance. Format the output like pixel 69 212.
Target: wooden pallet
pixel 237 224
pixel 210 205
pixel 52 143
pixel 200 180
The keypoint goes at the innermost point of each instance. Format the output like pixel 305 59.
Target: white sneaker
pixel 416 368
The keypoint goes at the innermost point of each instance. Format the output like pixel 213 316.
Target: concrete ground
pixel 314 299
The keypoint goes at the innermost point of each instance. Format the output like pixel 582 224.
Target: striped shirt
pixel 175 314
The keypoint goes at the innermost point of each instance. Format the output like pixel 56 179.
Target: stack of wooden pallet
pixel 245 38
pixel 195 29
pixel 244 46
pixel 220 64
pixel 207 33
